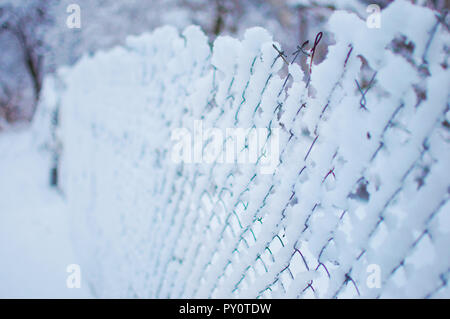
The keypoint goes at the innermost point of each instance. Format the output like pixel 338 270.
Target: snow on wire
pixel 362 176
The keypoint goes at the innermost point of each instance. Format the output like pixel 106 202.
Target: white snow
pixel 35 248
pixel 358 181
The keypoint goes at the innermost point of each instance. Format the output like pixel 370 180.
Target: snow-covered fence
pixel 357 204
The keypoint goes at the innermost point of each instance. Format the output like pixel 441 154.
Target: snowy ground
pixel 35 248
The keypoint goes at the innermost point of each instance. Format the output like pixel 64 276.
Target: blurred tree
pixel 22 36
pixel 33 29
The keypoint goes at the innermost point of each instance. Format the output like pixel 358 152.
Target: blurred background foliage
pixel 35 40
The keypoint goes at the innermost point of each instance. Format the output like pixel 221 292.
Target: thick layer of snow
pixel 35 248
pixel 360 181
